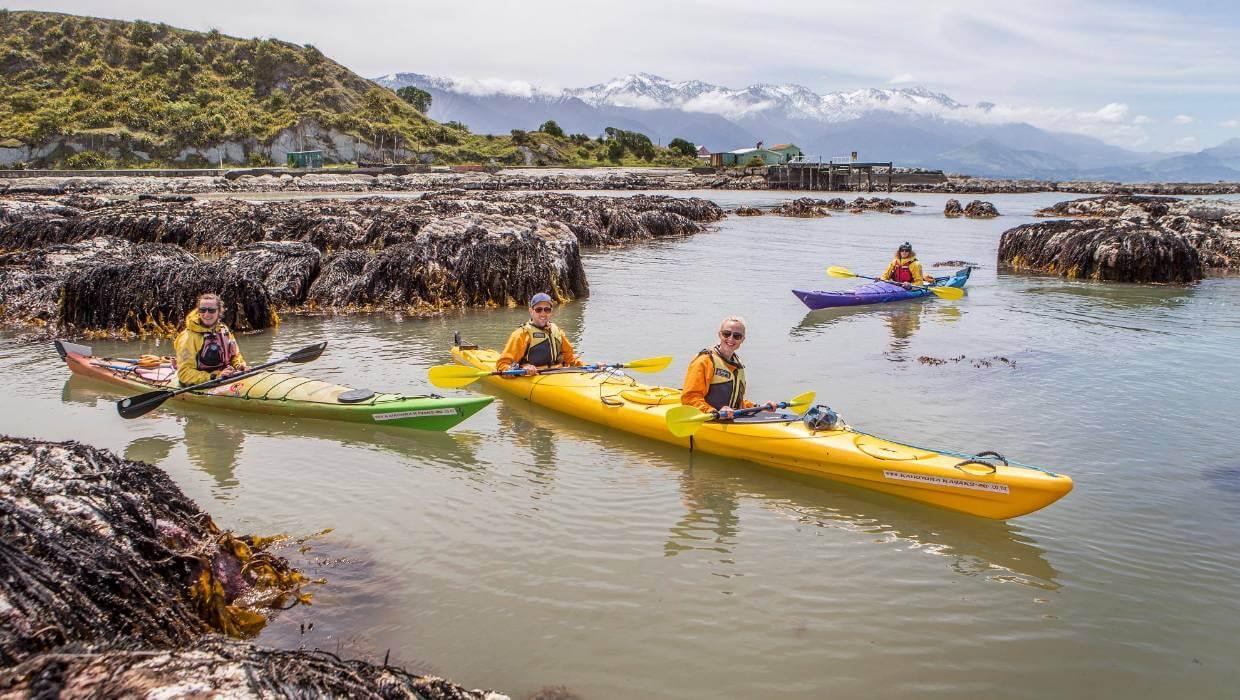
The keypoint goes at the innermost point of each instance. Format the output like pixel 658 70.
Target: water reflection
pixel 152 449
pixel 713 489
pixel 1109 295
pixel 213 446
pixel 710 520
pixel 538 438
pixel 902 319
pixel 213 438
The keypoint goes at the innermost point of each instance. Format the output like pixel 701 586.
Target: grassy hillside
pixel 155 90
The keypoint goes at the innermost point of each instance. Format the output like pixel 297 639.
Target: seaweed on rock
pixel 220 667
pixel 444 250
pixel 1108 250
pixel 96 548
pixel 151 292
pixel 485 261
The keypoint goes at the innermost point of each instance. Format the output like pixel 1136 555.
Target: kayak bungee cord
pixel 979 458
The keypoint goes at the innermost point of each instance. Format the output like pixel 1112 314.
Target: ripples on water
pixel 528 548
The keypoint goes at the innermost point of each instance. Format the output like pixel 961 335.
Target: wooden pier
pixel 817 175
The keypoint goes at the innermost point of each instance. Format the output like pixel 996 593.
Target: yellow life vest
pixel 727 381
pixel 543 347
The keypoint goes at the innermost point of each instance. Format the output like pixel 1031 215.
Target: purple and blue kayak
pixel 876 292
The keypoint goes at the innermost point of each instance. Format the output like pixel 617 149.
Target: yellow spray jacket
pixel 517 349
pixel 189 343
pixel 913 266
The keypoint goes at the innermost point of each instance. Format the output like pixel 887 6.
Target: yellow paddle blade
pixel 801 402
pixel 947 292
pixel 454 376
pixel 684 421
pixel 840 272
pixel 649 364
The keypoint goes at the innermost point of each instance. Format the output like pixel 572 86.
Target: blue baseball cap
pixel 540 297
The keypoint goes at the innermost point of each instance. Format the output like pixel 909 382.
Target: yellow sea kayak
pixel 979 486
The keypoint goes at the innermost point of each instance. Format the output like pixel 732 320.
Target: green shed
pixel 305 159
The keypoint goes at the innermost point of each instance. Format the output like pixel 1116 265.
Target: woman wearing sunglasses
pixel 538 343
pixel 206 349
pixel 904 269
pixel 716 377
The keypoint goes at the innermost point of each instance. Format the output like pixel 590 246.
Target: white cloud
pixel 1113 113
pixel 1182 119
pixel 901 79
pixel 1230 123
pixel 499 86
pixel 724 105
pixel 1141 119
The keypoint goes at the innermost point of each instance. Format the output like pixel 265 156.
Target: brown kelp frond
pixel 95 547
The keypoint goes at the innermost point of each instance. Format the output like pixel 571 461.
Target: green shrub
pixel 683 147
pixel 88 160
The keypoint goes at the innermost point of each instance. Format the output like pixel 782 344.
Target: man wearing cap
pixel 904 270
pixel 538 343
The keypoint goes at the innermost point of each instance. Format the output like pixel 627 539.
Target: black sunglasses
pixel 207 309
pixel 732 334
pixel 542 309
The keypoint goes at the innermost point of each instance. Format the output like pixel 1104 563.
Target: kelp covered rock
pixel 444 250
pixel 491 262
pixel 109 284
pixel 1210 227
pixel 977 209
pixel 809 207
pixel 219 667
pixel 210 226
pixel 116 585
pixel 1105 250
pixel 96 549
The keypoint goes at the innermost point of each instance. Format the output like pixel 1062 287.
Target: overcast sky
pixel 1139 74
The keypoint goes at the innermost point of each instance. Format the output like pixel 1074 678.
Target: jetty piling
pixel 801 174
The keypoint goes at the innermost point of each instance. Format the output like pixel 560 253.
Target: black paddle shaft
pixel 142 404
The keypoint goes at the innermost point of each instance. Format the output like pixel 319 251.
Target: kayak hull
pixel 282 394
pixel 990 490
pixel 876 293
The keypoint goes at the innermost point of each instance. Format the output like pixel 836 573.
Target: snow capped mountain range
pixel 909 126
pixel 646 91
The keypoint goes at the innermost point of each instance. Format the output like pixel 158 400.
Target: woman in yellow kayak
pixel 206 349
pixel 904 270
pixel 538 343
pixel 715 380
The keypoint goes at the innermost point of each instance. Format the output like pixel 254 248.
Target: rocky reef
pixel 415 178
pixel 1128 239
pixel 116 584
pixel 96 548
pixel 81 263
pixel 809 207
pixel 976 209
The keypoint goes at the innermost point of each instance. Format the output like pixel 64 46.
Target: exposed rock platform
pixel 117 585
pixel 83 263
pixel 1128 239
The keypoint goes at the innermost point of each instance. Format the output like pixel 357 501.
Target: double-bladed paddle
pixel 135 406
pixel 457 376
pixel 684 421
pixel 941 292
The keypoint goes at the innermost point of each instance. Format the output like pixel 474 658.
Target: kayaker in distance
pixel 538 343
pixel 904 270
pixel 715 380
pixel 206 349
